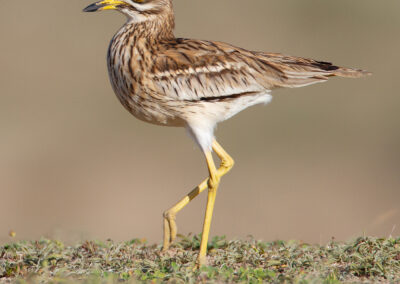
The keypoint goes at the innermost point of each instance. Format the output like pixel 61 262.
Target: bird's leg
pixel 226 161
pixel 170 228
pixel 213 183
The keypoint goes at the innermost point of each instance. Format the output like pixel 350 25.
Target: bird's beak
pixel 104 5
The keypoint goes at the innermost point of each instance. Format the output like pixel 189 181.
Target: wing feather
pixel 205 70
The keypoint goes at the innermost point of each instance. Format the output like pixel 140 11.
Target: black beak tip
pixel 91 8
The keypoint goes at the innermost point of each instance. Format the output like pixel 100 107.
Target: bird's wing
pixel 204 70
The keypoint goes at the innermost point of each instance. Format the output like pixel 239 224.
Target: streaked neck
pixel 153 27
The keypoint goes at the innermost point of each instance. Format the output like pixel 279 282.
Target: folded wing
pixel 196 70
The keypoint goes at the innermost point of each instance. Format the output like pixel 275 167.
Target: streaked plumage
pixel 195 83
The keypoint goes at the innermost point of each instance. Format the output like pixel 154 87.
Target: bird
pixel 196 84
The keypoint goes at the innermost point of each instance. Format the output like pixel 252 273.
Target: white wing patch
pixel 196 71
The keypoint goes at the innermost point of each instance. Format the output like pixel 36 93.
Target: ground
pixel 365 259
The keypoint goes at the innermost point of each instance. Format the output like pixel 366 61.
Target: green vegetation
pixel 364 259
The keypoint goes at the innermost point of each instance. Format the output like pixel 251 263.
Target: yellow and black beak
pixel 104 5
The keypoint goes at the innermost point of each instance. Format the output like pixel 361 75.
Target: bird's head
pixel 135 10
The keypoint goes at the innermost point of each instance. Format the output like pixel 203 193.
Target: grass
pixel 365 259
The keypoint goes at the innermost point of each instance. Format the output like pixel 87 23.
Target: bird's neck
pixel 154 29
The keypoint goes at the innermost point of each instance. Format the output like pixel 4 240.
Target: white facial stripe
pixel 141 7
pixel 137 18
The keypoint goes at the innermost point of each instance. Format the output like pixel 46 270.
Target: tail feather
pixel 351 73
pixel 298 71
pixel 334 70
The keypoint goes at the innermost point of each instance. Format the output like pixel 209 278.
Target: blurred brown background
pixel 318 162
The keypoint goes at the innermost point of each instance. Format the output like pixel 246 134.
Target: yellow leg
pixel 213 184
pixel 170 228
pixel 226 161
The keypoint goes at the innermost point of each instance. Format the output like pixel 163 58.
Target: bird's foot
pixel 170 229
pixel 201 261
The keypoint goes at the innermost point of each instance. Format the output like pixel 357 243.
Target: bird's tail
pixel 298 72
pixel 339 71
pixel 351 73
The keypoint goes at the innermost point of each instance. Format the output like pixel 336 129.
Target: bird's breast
pixel 128 65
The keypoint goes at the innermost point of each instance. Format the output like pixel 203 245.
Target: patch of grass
pixel 365 259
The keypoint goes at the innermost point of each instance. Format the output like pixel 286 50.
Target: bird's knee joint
pixel 169 215
pixel 227 163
